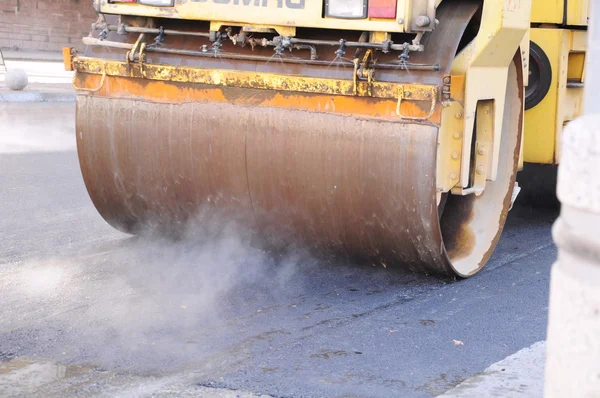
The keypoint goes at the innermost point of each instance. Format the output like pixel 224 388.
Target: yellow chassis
pixel 544 123
pixel 559 29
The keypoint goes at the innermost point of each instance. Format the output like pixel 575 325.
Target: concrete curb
pixel 34 96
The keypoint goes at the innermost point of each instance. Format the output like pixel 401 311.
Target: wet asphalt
pixel 213 314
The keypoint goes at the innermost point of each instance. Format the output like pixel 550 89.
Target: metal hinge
pixel 364 70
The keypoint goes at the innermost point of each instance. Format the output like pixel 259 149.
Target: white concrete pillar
pixel 573 346
pixel 2 66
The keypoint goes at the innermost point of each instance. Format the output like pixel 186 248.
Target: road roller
pixel 385 131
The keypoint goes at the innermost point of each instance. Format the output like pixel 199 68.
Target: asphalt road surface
pixel 86 310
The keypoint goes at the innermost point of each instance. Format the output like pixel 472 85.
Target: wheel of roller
pixel 471 225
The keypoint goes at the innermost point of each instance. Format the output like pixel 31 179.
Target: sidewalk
pixel 48 81
pixel 520 375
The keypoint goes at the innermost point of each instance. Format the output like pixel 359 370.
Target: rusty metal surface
pixel 327 181
pixel 289 165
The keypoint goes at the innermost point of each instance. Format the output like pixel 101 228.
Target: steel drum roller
pixel 154 154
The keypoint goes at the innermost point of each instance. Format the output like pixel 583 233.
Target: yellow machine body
pixel 562 37
pixel 283 15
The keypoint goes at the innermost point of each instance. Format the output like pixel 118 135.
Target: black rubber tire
pixel 540 76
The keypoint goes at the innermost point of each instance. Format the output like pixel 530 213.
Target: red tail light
pixel 382 8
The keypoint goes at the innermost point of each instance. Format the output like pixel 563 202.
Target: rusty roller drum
pixel 330 173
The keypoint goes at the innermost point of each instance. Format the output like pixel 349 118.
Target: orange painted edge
pixel 173 92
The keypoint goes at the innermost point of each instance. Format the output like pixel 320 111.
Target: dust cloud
pixel 39 127
pixel 150 303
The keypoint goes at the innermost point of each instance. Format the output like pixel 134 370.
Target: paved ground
pixel 86 310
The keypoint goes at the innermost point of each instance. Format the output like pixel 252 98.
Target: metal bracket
pixel 416 93
pixel 450 142
pixel 484 144
pixel 139 43
pixel 68 56
pixel 446 91
pixel 68 53
pixel 142 59
pixel 90 90
pixel 453 88
pixel 362 71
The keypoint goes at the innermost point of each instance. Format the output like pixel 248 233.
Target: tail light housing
pixel 382 8
pixel 346 9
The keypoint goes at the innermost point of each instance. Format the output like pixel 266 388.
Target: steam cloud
pixel 40 127
pixel 153 303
